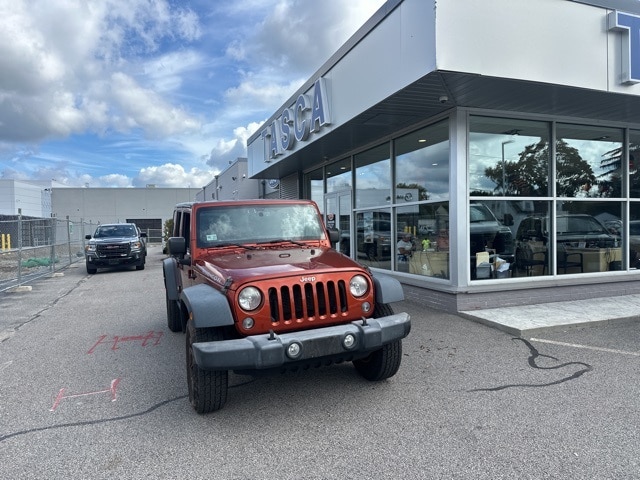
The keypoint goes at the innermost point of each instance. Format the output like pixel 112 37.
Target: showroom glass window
pixel 588 162
pixel 421 198
pixel 509 171
pixel 374 240
pixel 314 185
pixel 339 176
pixel 634 164
pixel 590 228
pixel 373 177
pixel 634 204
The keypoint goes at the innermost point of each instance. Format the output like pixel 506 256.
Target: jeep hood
pixel 247 265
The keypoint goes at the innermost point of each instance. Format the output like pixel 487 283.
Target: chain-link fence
pixel 31 248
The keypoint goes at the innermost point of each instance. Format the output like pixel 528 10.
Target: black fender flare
pixel 207 306
pixel 171 278
pixel 387 288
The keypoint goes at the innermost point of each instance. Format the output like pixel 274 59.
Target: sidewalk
pixel 530 319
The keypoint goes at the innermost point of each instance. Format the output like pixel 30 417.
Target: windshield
pixel 480 213
pixel 254 224
pixel 579 224
pixel 106 231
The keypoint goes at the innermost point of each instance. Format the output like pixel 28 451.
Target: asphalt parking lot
pixel 94 386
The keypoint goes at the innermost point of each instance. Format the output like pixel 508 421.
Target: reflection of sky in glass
pixel 340 182
pixel 594 144
pixel 427 167
pixel 374 176
pixel 485 151
pixel 373 184
pixel 423 160
pixel 593 152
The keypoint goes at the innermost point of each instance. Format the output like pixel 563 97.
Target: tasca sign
pixel 308 115
pixel 629 25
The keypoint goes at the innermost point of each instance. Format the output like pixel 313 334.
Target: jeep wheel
pixel 174 320
pixel 91 270
pixel 382 363
pixel 207 388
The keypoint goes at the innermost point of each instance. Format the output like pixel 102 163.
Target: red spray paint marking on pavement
pixel 61 396
pixel 144 339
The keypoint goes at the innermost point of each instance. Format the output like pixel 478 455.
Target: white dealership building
pixel 503 136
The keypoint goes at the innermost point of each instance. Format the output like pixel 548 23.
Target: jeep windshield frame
pixel 239 225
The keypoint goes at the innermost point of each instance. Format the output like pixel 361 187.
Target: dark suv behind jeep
pixel 116 245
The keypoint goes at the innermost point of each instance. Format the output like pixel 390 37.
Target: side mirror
pixel 508 219
pixel 334 235
pixel 87 237
pixel 177 246
pixel 143 235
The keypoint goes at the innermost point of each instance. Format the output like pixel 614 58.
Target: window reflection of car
pixel 373 240
pixel 487 232
pixel 572 230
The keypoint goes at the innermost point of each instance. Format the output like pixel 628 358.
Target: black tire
pixel 385 362
pixel 140 266
pixel 174 315
pixel 207 388
pixel 91 270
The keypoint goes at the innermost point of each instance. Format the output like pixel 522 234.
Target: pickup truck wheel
pixel 382 363
pixel 174 320
pixel 207 388
pixel 91 270
pixel 140 266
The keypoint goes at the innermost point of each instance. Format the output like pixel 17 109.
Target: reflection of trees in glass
pixel 610 183
pixel 612 164
pixel 529 175
pixel 634 173
pixel 573 174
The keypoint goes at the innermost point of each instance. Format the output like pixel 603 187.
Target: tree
pixel 529 175
pixel 167 232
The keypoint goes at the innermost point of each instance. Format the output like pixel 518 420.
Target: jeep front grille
pixel 113 250
pixel 308 300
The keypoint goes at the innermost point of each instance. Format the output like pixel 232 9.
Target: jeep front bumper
pixel 260 352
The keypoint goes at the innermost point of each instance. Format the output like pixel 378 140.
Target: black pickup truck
pixel 116 245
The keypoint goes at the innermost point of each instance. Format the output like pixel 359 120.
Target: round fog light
pixel 248 323
pixel 294 350
pixel 349 341
pixel 366 307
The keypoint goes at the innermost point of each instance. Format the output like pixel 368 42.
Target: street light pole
pixel 504 170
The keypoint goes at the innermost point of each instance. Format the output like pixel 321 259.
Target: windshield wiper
pixel 282 240
pixel 231 244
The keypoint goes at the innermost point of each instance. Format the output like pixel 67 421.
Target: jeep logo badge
pixel 307 279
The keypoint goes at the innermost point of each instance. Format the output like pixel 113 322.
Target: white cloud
pixel 112 180
pixel 157 73
pixel 173 175
pixel 143 108
pixel 55 56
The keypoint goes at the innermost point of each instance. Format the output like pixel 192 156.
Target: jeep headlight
pixel 90 248
pixel 358 286
pixel 137 245
pixel 250 298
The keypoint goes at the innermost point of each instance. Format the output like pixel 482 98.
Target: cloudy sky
pixel 124 93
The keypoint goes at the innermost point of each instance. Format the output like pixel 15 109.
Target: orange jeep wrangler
pixel 257 287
